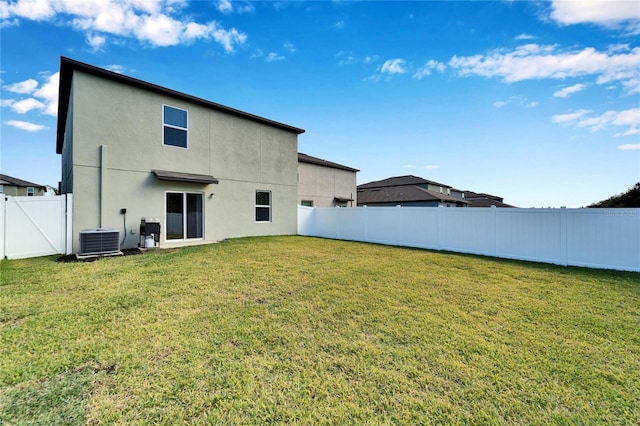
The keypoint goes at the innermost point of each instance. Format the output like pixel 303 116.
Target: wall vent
pixel 99 241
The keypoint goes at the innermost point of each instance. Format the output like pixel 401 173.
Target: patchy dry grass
pixel 297 330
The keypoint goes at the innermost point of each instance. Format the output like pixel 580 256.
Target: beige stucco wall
pixel 117 134
pixel 322 184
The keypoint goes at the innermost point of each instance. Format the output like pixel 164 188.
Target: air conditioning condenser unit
pixel 99 241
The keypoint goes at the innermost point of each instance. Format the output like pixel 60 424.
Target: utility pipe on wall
pixel 103 184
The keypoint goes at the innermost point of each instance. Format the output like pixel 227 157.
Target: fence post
pixel 494 231
pixel 69 223
pixel 563 237
pixel 440 227
pixel 3 235
pixel 398 215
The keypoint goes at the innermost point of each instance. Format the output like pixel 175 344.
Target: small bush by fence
pixel 596 238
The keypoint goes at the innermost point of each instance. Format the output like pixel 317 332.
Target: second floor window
pixel 174 126
pixel 30 191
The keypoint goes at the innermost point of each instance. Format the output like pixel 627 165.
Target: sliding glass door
pixel 184 216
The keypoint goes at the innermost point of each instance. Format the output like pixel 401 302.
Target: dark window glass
pixel 175 117
pixel 175 137
pixel 175 217
pixel 194 215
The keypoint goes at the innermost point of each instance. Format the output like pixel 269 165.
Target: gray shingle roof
pixel 401 181
pixel 403 194
pixel 9 180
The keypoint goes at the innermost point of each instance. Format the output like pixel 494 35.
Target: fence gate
pixel 35 226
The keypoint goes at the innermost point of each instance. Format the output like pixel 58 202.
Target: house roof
pixel 480 196
pixel 487 202
pixel 403 194
pixel 9 180
pixel 68 66
pixel 400 181
pixel 183 177
pixel 304 158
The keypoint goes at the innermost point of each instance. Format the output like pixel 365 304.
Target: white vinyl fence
pixel 34 226
pixel 595 238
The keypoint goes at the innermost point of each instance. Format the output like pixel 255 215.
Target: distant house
pixel 205 172
pixel 484 200
pixel 409 191
pixel 322 183
pixel 18 187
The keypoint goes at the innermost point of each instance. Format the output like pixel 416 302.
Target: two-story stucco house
pixel 323 183
pixel 131 150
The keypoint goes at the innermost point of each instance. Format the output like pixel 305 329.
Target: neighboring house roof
pixel 470 195
pixel 403 194
pixel 484 200
pixel 401 181
pixel 68 66
pixel 304 158
pixel 8 180
pixel 487 202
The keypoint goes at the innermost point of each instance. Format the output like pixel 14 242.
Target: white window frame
pixel 184 216
pixel 164 124
pixel 262 206
pixel 1 189
pixel 31 191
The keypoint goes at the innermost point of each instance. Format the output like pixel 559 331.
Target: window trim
pixel 184 216
pixel 185 129
pixel 262 206
pixel 306 203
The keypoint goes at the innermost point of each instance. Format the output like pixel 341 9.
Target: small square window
pixel 30 191
pixel 175 126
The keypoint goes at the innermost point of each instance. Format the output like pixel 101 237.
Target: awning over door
pixel 184 177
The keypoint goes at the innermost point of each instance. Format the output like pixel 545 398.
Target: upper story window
pixel 175 126
pixel 30 191
pixel 1 189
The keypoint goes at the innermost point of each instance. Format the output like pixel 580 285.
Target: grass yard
pixel 296 330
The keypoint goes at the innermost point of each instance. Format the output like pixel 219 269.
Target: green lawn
pixel 296 330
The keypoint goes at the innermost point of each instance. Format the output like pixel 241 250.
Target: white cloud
pixel 48 92
pixel 339 25
pixel 224 6
pixel 630 119
pixel 428 68
pixel 629 146
pixel 22 87
pixel 524 36
pixel 570 90
pixel 44 98
pixel 345 58
pixel 431 167
pixel 600 12
pixel 157 23
pixel 25 105
pixel 24 125
pixel 394 66
pixel 516 100
pixel 228 7
pixel 531 61
pixel 289 47
pixel 273 57
pixel 572 116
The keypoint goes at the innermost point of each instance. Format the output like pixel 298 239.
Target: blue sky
pixel 538 102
